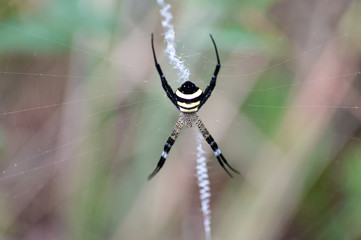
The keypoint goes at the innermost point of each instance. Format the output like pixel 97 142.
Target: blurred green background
pixel 83 120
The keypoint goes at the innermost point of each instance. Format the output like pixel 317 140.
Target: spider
pixel 188 99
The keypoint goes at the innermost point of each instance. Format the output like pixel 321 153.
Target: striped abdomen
pixel 188 97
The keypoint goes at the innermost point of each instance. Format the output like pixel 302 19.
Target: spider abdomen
pixel 188 97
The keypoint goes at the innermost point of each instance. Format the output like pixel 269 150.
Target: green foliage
pixel 50 27
pixel 267 101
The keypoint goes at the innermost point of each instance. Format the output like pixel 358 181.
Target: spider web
pixel 84 119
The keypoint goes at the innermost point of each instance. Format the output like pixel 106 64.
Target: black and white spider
pixel 188 99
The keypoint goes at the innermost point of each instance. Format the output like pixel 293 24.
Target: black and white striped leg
pixel 207 136
pixel 219 155
pixel 168 145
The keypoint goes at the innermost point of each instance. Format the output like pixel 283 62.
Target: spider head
pixel 188 97
pixel 188 88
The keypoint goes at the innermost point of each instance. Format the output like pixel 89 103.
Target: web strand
pixel 169 37
pixel 204 186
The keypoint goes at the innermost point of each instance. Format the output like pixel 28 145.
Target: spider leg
pixel 168 90
pixel 212 84
pixel 168 145
pixel 221 159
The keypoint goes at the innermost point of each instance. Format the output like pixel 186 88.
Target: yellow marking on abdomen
pixel 188 110
pixel 188 105
pixel 188 96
